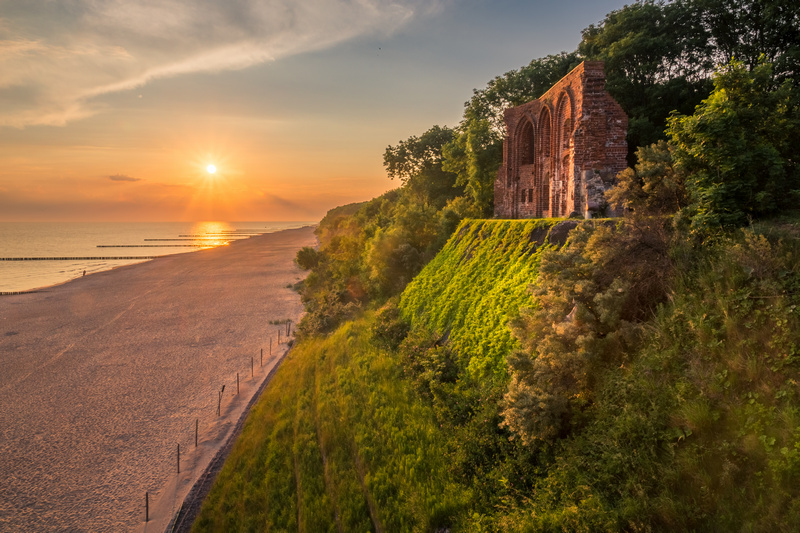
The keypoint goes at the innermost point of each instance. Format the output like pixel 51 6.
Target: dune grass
pixel 362 451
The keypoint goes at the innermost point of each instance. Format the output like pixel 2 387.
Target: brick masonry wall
pixel 578 147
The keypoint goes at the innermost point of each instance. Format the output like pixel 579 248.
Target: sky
pixel 112 110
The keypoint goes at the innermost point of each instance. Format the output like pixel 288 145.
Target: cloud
pixel 57 57
pixel 122 177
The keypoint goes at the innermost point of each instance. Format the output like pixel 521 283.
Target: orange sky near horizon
pixel 111 111
pixel 164 178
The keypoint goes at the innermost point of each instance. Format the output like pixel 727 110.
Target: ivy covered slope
pixel 654 388
pixel 475 285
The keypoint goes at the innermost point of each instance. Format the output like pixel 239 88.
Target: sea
pixel 34 255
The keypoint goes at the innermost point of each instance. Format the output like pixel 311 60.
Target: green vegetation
pixel 738 150
pixel 473 287
pixel 337 443
pixel 661 56
pixel 693 426
pixel 635 374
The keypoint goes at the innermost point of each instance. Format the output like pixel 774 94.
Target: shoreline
pixel 105 374
pixel 129 261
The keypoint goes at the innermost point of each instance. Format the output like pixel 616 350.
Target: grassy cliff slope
pixel 471 289
pixel 390 423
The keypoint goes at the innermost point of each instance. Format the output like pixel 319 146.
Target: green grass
pixel 337 442
pixel 475 285
pixel 698 430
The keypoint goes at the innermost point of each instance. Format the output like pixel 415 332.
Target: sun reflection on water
pixel 211 234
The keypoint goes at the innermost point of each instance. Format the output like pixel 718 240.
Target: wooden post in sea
pixel 146 507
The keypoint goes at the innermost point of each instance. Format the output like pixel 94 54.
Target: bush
pixel 592 294
pixel 307 258
pixel 389 328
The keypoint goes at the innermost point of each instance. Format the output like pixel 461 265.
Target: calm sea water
pixel 105 243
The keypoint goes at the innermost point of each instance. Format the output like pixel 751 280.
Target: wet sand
pixel 103 377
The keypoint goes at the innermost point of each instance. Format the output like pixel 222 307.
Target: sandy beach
pixel 103 377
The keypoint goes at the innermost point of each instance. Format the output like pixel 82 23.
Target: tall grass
pixel 475 285
pixel 698 430
pixel 337 442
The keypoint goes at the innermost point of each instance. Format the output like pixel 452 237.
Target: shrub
pixel 389 328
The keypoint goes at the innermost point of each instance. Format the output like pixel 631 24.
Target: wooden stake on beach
pixel 251 367
pixel 237 383
pixel 146 507
pixel 279 337
pixel 219 403
pixel 270 345
pixel 196 429
pixel 262 356
pixel 179 458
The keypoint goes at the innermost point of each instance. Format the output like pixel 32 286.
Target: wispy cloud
pixel 123 177
pixel 57 57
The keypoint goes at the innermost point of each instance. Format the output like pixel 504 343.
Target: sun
pixel 211 169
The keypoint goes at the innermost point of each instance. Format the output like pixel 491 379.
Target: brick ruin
pixel 563 150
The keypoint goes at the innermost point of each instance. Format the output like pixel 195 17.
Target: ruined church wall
pixel 576 148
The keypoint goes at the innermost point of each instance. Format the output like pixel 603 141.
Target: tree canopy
pixel 737 151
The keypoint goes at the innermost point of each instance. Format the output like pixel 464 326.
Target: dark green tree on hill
pixel 660 56
pixel 417 163
pixel 738 150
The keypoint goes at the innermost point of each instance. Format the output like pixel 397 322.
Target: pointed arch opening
pixel 544 167
pixel 563 142
pixel 526 147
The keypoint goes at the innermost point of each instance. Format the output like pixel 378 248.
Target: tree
pixel 474 156
pixel 654 188
pixel 417 163
pixel 657 59
pixel 738 150
pixel 751 31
